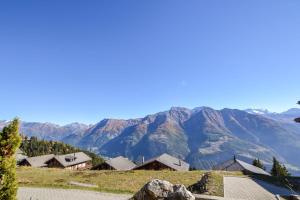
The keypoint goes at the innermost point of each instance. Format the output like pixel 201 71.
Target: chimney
pixel 179 163
pixel 143 160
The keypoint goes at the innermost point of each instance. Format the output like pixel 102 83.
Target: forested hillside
pixel 35 147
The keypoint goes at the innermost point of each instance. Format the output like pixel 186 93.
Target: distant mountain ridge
pixel 286 116
pixel 50 131
pixel 202 136
pixel 258 111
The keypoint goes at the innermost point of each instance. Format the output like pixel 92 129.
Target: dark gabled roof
pixel 244 165
pixel 72 159
pixel 224 165
pixel 170 161
pixel 39 161
pixel 120 163
pixel 252 168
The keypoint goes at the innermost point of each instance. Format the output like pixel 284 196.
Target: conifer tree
pixel 9 143
pixel 258 163
pixel 279 170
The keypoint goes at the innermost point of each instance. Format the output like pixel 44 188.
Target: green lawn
pixel 113 181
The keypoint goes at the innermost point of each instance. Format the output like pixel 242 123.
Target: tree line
pixel 278 170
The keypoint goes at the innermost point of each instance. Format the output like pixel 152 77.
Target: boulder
pixel 163 190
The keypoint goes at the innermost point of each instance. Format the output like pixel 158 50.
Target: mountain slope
pixel 103 132
pixel 205 136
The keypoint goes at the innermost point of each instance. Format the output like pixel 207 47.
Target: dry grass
pixel 112 181
pixel 215 185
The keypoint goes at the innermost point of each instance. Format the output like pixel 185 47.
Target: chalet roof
pixel 252 168
pixel 170 161
pixel 120 163
pixel 72 159
pixel 20 157
pixel 19 151
pixel 39 161
pixel 244 165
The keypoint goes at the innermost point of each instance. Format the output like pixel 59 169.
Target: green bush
pixel 9 143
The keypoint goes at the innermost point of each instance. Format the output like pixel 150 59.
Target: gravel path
pixel 245 188
pixel 69 194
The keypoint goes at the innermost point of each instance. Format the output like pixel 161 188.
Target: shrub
pixel 9 143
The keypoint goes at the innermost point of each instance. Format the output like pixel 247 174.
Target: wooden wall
pixel 155 165
pixel 103 166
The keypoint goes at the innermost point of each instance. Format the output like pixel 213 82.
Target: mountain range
pixel 202 136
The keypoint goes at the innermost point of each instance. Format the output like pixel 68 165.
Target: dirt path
pixel 245 188
pixel 61 194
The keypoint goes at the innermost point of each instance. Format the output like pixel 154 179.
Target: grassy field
pixel 113 181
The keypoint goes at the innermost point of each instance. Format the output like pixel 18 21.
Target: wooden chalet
pixel 164 162
pixel 119 163
pixel 238 165
pixel 74 161
pixel 37 161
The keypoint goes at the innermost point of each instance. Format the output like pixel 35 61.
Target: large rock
pixel 163 190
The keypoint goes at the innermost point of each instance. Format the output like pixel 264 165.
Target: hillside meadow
pixel 113 181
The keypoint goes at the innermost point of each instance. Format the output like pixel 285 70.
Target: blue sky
pixel 68 60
